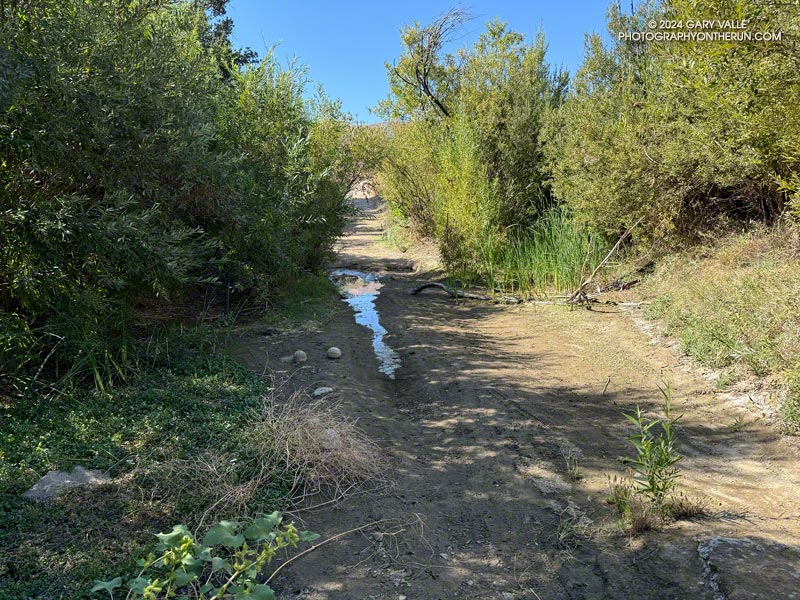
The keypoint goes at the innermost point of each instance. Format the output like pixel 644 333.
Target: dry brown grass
pixel 638 515
pixel 684 506
pixel 297 449
pixel 316 442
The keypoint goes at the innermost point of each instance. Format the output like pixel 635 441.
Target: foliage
pixel 552 254
pixel 183 406
pixel 145 161
pixel 465 206
pixel 654 467
pixel 226 564
pixel 790 410
pixel 688 135
pixel 195 438
pixel 463 161
pixel 646 497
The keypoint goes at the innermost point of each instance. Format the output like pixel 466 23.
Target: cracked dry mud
pixel 476 426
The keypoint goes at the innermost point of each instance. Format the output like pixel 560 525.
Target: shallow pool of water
pixel 359 290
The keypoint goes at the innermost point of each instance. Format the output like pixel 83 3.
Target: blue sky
pixel 345 43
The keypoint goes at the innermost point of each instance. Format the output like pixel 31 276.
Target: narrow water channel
pixel 359 290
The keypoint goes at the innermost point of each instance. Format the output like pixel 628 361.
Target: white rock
pixel 334 352
pixel 331 440
pixel 321 391
pixel 299 356
pixel 55 481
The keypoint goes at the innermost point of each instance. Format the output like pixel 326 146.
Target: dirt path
pixel 476 426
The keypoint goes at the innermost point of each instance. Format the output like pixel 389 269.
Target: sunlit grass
pixel 735 305
pixel 550 257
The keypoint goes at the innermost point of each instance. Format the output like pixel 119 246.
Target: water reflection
pixel 360 290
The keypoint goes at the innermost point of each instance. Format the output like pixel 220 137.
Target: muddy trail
pixel 485 412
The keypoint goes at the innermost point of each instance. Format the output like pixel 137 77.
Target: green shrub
pixel 691 136
pixel 655 473
pixel 466 174
pixel 146 162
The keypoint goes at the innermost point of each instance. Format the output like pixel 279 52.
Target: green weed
pixel 734 306
pixel 738 424
pixel 655 471
pixel 573 469
pixel 226 564
pixel 167 417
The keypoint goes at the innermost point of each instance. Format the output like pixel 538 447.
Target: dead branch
pixel 425 54
pixel 579 295
pixel 453 293
pixel 322 543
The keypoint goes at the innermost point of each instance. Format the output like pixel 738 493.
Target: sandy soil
pixel 477 426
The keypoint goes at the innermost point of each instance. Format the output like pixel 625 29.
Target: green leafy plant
pixel 226 564
pixel 655 470
pixel 738 424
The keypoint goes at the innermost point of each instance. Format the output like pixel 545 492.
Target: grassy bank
pixel 735 305
pixel 141 434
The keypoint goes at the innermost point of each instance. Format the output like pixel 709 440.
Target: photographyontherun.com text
pixel 699 30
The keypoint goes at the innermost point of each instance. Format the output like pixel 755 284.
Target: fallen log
pixel 453 293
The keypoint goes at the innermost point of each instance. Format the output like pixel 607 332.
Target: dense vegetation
pixel 146 162
pixel 683 138
pixel 152 176
pixel 150 436
pixel 525 177
pixel 687 135
pixel 464 161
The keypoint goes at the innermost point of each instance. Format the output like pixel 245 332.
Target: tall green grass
pixel 552 256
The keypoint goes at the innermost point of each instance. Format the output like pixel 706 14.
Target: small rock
pixel 377 536
pixel 334 352
pixel 299 356
pixel 55 481
pixel 401 597
pixel 321 391
pixel 331 440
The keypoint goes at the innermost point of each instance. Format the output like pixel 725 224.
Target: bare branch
pixel 425 53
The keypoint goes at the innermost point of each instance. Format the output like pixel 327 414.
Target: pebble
pixel 299 356
pixel 321 391
pixel 334 352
